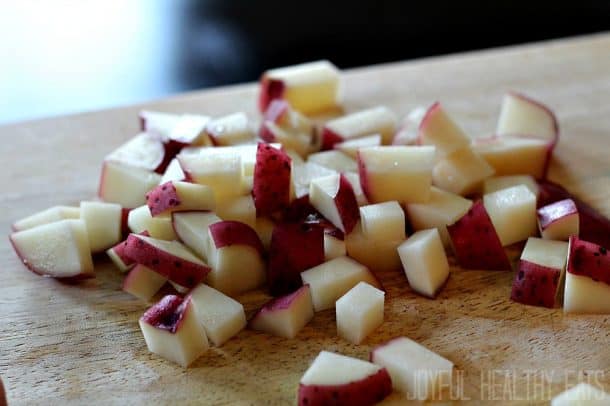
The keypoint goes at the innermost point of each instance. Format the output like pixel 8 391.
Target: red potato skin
pixel 294 248
pixel 300 210
pixel 100 188
pixel 436 106
pixel 535 285
pixel 162 198
pixel 283 302
pixel 3 401
pixel 476 243
pixel 172 148
pixel 369 391
pixel 364 182
pixel 270 90
pixel 178 270
pixel 347 205
pixel 227 233
pixel 553 212
pixel 119 250
pixel 589 259
pixel 67 279
pixel 594 227
pixel 271 185
pixel 124 218
pixel 168 314
pixel 330 138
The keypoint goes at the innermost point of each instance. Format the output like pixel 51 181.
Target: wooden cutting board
pixel 77 344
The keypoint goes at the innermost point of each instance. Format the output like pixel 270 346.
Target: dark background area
pixel 65 56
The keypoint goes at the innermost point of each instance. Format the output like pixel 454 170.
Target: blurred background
pixel 65 56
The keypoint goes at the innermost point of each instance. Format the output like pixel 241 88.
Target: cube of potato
pixel 513 213
pixel 359 312
pixel 424 262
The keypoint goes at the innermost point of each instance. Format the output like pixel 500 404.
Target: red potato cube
pixel 462 172
pixel 383 221
pixel 294 248
pixel 424 262
pixel 145 151
pixel 179 196
pixel 334 379
pixel 521 115
pixel 272 184
pixel 559 220
pixel 221 170
pixel 143 283
pixel 233 129
pixel 240 208
pixel 303 174
pixel 475 241
pixel 103 222
pixel 160 227
pixel 513 213
pixel 515 155
pixel 438 129
pixel 377 120
pixel 192 229
pixel 408 131
pixel 594 226
pixel 309 87
pixel 126 185
pixel 351 147
pixel 333 196
pixel 188 131
pixel 235 254
pixel 173 172
pixel 359 312
pixel 47 216
pixel 334 246
pixel 539 279
pixel 331 280
pixel 396 173
pixel 415 370
pixel 118 257
pixel 285 316
pixel 354 179
pixel 496 183
pixel 335 160
pixel 287 126
pixel 172 331
pixel 378 255
pixel 169 258
pixel 443 208
pixel 221 316
pixel 59 249
pixel 587 285
pixel 157 122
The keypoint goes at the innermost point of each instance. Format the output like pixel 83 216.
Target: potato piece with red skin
pixel 335 379
pixel 179 196
pixel 271 185
pixel 475 241
pixel 170 259
pixel 294 248
pixel 594 226
pixel 226 233
pixel 535 284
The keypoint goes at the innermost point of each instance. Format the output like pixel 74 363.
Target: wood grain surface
pixel 81 344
